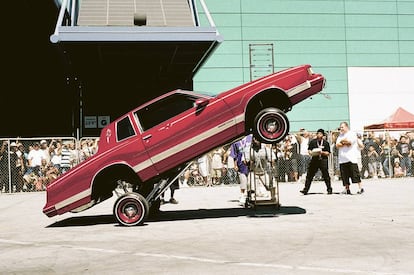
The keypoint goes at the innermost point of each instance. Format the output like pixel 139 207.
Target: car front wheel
pixel 131 209
pixel 271 125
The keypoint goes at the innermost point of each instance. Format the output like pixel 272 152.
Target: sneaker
pixel 346 192
pixel 242 200
pixel 330 192
pixel 173 201
pixel 162 201
pixel 304 192
pixel 361 191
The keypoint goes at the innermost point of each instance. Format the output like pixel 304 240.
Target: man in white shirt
pixel 35 158
pixel 45 149
pixel 305 158
pixel 348 153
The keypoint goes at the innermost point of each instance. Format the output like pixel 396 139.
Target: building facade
pixel 332 36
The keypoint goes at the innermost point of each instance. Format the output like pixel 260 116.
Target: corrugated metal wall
pixel 330 35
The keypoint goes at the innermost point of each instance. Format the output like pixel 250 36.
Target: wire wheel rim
pixel 130 211
pixel 271 126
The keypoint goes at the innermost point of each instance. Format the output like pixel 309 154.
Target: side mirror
pixel 201 102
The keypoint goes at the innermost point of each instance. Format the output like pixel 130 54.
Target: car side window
pixel 164 109
pixel 124 129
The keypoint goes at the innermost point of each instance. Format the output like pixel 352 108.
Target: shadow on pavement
pixel 177 215
pixel 85 221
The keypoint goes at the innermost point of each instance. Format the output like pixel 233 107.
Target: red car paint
pixel 171 130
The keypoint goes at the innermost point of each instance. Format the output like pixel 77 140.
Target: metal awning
pixel 152 50
pixel 121 53
pixel 135 34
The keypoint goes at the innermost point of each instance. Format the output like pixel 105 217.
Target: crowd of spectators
pixel 290 162
pixel 34 165
pixel 383 156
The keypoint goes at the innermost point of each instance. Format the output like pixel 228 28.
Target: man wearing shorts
pixel 348 153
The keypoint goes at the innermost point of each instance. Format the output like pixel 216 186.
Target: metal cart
pixel 263 187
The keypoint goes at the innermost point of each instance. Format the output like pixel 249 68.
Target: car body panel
pixel 170 130
pixel 170 142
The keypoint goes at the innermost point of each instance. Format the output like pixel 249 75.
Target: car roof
pixel 178 91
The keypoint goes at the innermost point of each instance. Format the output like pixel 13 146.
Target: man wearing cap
pixel 319 149
pixel 45 149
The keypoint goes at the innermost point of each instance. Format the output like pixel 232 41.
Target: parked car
pixel 141 152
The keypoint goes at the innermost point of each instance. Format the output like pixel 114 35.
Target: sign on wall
pixel 93 122
pixel 103 121
pixel 90 122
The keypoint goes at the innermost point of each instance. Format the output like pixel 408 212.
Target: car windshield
pixel 206 94
pixel 164 109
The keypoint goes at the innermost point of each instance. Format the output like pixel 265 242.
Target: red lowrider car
pixel 143 151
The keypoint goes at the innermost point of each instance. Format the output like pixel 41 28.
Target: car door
pixel 130 148
pixel 183 126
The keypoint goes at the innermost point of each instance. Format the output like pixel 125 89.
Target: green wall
pixel 331 35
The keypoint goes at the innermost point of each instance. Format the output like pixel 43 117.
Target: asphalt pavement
pixel 208 232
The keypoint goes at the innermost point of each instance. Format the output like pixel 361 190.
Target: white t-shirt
pixel 46 154
pixel 230 160
pixel 348 153
pixel 35 157
pixel 217 160
pixel 203 165
pixel 304 146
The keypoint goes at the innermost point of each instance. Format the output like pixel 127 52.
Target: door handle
pixel 147 137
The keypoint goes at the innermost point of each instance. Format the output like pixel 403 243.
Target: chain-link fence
pixel 379 157
pixel 22 168
pixel 289 162
pixel 30 164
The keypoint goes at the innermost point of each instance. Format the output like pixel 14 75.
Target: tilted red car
pixel 147 148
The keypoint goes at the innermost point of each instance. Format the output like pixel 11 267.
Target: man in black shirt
pixel 319 149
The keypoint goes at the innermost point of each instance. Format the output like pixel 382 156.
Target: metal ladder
pixel 261 60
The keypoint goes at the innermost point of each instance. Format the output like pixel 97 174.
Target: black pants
pixel 314 165
pixel 173 187
pixel 349 170
pixel 364 162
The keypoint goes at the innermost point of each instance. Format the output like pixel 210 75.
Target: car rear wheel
pixel 271 125
pixel 131 209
